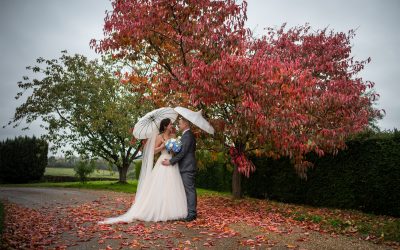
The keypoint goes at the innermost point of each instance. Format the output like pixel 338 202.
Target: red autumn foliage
pixel 238 158
pixel 288 93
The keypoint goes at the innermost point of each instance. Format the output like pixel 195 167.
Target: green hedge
pixel 22 159
pixel 365 176
pixel 214 172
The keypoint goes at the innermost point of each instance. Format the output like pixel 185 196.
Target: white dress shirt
pixel 185 131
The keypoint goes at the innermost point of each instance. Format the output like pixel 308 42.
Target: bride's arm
pixel 159 145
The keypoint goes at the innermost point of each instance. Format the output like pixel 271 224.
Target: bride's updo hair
pixel 164 124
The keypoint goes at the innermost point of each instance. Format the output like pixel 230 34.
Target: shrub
pixel 22 159
pixel 83 169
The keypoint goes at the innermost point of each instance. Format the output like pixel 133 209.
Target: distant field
pixel 70 172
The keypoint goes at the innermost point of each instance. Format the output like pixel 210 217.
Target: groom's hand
pixel 166 162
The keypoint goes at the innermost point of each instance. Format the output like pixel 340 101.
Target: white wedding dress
pixel 160 195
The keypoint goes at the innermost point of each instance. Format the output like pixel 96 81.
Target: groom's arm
pixel 185 147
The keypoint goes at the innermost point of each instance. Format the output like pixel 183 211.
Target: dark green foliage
pixel 22 159
pixel 274 179
pixel 83 169
pixel 214 171
pixel 366 177
pixel 215 177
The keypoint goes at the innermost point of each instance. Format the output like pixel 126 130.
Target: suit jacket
pixel 186 157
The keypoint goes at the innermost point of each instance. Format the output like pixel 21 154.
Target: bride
pixel 160 194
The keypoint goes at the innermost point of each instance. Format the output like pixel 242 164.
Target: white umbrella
pixel 150 122
pixel 196 118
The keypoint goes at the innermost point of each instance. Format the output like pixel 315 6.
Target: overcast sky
pixel 30 29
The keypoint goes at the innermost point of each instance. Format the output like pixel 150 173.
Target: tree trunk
pixel 236 183
pixel 123 173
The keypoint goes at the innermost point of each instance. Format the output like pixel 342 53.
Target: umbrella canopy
pixel 196 118
pixel 150 122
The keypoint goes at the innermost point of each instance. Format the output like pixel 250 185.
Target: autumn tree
pixel 288 93
pixel 84 108
pixel 167 36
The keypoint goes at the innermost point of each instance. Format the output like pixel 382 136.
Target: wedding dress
pixel 160 194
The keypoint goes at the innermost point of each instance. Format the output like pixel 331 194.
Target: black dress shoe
pixel 190 218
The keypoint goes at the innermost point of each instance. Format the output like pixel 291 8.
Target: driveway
pixel 60 218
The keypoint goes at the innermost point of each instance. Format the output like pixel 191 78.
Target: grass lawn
pixel 342 221
pixel 103 185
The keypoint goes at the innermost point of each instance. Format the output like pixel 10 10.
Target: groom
pixel 187 166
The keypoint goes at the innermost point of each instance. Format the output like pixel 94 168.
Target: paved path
pixel 178 233
pixel 44 197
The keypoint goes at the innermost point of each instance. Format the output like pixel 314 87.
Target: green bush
pixel 22 159
pixel 83 169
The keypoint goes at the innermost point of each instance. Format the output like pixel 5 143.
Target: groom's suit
pixel 187 167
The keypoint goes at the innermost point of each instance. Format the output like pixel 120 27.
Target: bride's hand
pixel 162 146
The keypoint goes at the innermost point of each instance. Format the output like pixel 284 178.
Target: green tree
pixel 84 105
pixel 83 169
